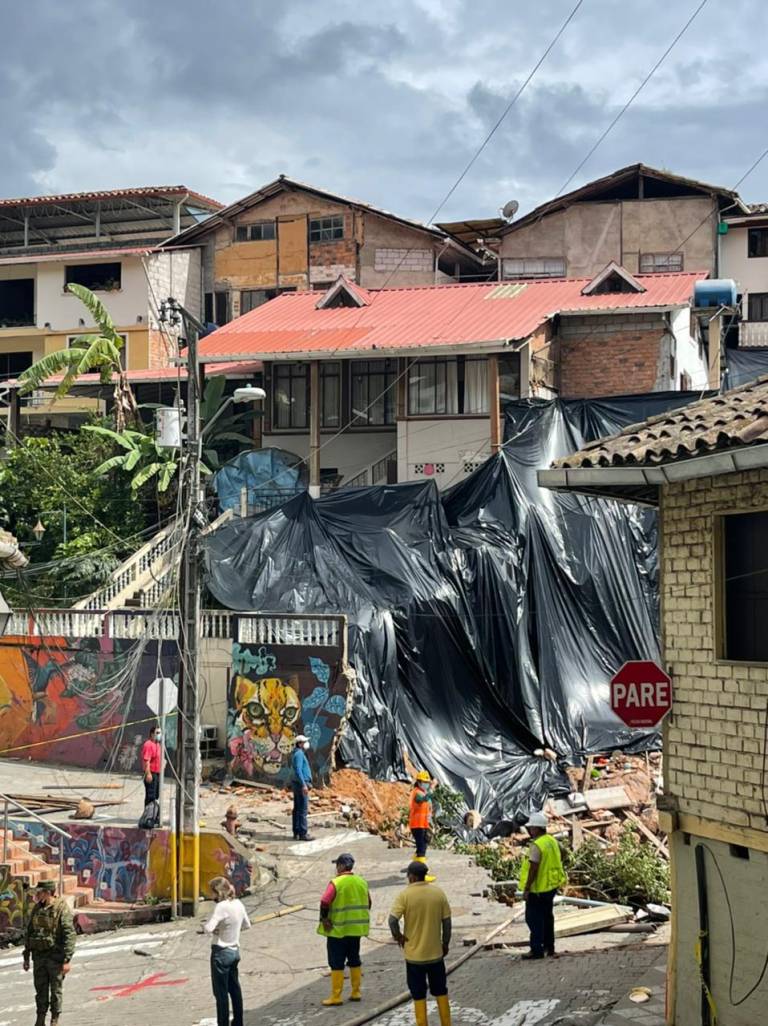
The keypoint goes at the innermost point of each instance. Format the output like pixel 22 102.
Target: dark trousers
pixel 226 985
pixel 300 811
pixel 419 974
pixel 152 789
pixel 540 917
pixel 419 835
pixel 49 981
pixel 343 951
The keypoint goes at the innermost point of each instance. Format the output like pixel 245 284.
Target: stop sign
pixel 641 693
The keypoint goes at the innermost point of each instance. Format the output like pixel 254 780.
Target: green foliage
pixel 41 478
pixel 95 352
pixel 633 874
pixel 141 459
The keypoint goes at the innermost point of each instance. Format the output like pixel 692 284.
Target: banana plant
pixel 225 429
pixel 141 457
pixel 99 351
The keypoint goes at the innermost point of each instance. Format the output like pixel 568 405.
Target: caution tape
pixel 84 733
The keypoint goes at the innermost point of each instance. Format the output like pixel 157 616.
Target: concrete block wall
pixel 715 738
pixel 389 258
pixel 606 355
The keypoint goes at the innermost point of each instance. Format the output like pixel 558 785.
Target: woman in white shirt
pixel 228 919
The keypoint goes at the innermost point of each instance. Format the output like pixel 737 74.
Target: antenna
pixel 510 209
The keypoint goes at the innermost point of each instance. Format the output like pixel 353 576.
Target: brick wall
pixel 715 738
pixel 605 355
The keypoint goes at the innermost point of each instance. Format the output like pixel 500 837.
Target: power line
pixel 634 96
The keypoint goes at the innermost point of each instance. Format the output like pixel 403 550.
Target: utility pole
pixel 188 752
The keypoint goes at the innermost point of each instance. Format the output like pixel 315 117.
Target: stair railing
pixel 11 802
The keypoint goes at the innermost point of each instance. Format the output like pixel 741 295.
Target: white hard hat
pixel 537 819
pixel 300 738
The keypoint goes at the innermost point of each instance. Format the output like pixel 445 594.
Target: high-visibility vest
pixel 418 817
pixel 349 911
pixel 551 874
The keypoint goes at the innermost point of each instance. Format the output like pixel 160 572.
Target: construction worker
pixel 344 919
pixel 301 781
pixel 425 939
pixel 50 940
pixel 419 813
pixel 541 875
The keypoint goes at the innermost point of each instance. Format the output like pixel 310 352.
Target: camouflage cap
pixel 47 885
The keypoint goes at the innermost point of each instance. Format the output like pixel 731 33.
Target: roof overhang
pixel 641 484
pixel 370 352
pixel 621 310
pixel 82 254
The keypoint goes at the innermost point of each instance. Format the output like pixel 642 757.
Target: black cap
pixel 345 859
pixel 418 869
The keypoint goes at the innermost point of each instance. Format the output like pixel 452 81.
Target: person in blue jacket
pixel 301 781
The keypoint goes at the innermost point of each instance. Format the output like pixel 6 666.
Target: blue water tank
pixel 715 292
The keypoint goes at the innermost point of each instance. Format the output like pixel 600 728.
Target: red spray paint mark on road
pixel 127 989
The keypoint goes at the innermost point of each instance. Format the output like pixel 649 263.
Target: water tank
pixel 715 292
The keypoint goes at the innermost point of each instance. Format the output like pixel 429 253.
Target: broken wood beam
pixel 647 833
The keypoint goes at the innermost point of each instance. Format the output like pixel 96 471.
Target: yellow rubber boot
pixel 444 1009
pixel 420 1012
pixel 356 979
pixel 337 986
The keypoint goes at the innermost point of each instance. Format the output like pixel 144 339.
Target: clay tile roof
pixel 721 422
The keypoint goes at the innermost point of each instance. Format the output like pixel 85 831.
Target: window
pixel 541 267
pixel 448 386
pixel 72 339
pixel 650 262
pixel 374 397
pixel 326 229
pixel 13 364
pixel 744 587
pixel 262 231
pixel 96 277
pixel 208 307
pixel 509 377
pixel 221 307
pixel 290 388
pixel 757 242
pixel 17 303
pixel 758 306
pixel 251 298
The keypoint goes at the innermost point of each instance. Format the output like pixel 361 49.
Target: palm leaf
pixel 232 436
pixel 111 464
pixel 214 390
pixel 165 478
pixel 132 459
pixel 144 475
pixel 95 307
pixel 121 439
pixel 47 367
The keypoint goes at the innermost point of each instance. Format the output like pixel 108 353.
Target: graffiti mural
pixel 12 899
pixel 276 693
pixel 80 702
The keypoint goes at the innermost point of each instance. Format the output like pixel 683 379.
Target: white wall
pixel 450 442
pixel 350 453
pixel 749 273
pixel 62 310
pixel 690 354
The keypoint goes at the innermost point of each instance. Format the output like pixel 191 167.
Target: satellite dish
pixel 510 209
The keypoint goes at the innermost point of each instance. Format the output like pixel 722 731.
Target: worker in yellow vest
pixel 344 919
pixel 541 876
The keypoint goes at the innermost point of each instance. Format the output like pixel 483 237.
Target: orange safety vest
pixel 418 818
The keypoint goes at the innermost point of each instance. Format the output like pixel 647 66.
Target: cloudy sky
pixel 385 101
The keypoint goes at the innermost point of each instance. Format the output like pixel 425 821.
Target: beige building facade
pixel 706 468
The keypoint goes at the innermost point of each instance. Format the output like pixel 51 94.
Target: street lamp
pixel 39 529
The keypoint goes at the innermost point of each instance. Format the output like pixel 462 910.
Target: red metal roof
pixel 235 369
pixel 429 316
pixel 144 190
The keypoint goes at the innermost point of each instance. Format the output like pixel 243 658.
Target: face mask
pixel 158 736
pixel 305 746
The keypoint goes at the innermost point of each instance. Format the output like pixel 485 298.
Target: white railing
pixel 375 473
pixel 144 567
pixel 59 623
pixel 288 630
pixel 753 333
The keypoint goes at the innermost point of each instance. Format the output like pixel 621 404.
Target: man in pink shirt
pixel 151 762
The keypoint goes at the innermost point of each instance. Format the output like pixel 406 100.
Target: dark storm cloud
pixel 386 101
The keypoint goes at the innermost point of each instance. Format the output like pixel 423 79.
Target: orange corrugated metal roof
pixel 135 377
pixel 428 316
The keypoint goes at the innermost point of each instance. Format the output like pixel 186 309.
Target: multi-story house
pixel 289 236
pixel 107 241
pixel 744 257
pixel 639 217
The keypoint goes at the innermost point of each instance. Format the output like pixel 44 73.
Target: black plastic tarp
pixel 486 622
pixel 743 366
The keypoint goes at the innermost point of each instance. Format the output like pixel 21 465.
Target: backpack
pixel 150 817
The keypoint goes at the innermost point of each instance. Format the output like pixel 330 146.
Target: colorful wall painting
pixel 126 864
pixel 12 906
pixel 277 692
pixel 81 702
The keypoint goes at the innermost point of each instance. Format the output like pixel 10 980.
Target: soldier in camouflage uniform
pixel 50 939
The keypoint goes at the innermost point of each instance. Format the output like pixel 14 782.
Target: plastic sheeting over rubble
pixel 485 622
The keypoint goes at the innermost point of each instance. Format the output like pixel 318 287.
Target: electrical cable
pixel 633 97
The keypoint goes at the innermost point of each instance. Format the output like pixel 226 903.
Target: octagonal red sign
pixel 641 693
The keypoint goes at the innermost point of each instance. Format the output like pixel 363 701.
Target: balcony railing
pixel 753 333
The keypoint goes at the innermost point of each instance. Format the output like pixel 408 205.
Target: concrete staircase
pixel 30 867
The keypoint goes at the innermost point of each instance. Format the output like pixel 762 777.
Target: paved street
pixel 145 976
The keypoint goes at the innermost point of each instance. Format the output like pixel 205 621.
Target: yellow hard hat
pixel 423 776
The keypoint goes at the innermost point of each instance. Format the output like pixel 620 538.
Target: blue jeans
pixel 300 811
pixel 226 985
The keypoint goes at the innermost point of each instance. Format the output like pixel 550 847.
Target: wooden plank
pixel 607 798
pixel 570 922
pixel 577 837
pixel 649 834
pixel 587 773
